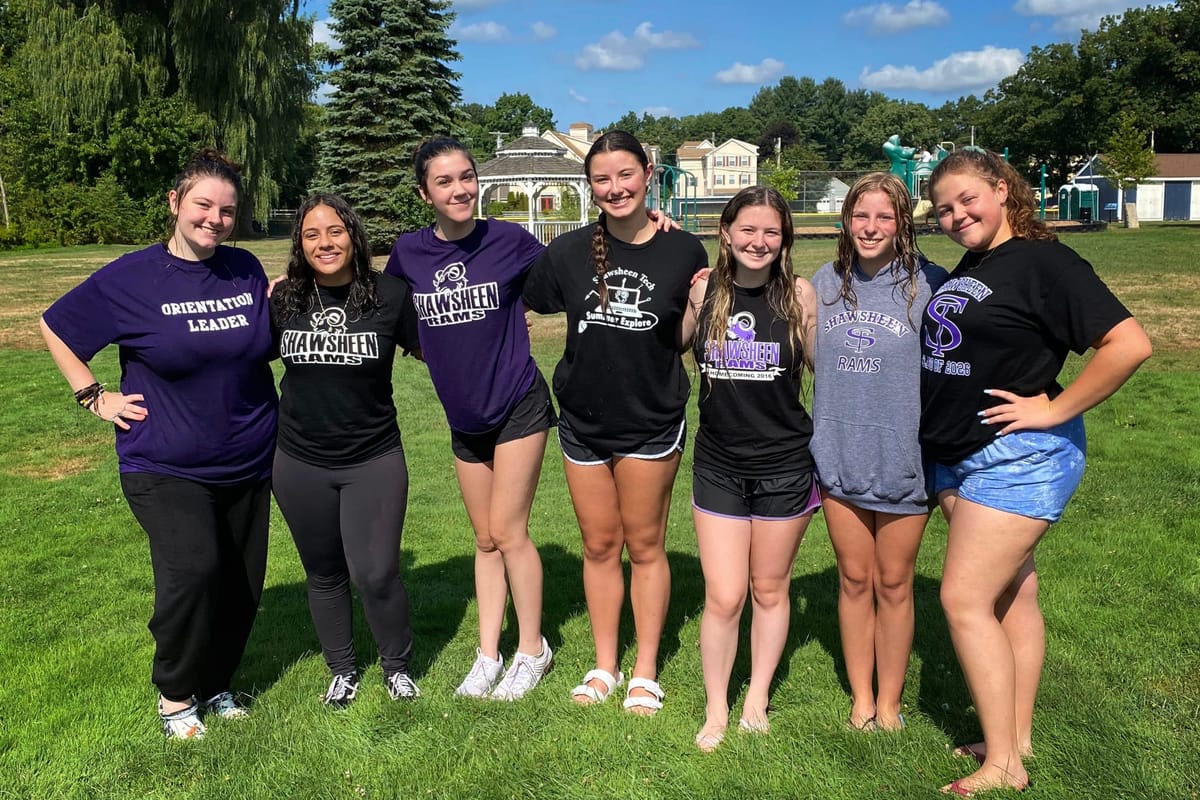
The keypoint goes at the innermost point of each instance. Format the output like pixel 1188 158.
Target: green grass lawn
pixel 1118 715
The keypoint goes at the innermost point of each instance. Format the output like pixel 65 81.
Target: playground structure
pixel 674 190
pixel 913 166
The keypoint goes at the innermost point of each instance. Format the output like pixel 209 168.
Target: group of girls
pixel 906 361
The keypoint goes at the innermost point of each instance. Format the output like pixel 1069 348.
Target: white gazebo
pixel 531 164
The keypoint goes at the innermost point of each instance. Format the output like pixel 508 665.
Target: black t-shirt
pixel 335 405
pixel 752 424
pixel 1005 319
pixel 621 378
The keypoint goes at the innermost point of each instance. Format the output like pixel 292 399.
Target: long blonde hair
pixel 906 268
pixel 780 289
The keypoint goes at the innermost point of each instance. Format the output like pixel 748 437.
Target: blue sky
pixel 594 60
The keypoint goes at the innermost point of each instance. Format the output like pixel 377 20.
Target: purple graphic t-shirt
pixel 194 339
pixel 470 317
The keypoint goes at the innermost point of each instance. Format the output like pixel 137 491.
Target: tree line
pixel 100 102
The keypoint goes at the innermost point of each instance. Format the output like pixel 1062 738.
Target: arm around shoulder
pixel 806 297
pixel 691 314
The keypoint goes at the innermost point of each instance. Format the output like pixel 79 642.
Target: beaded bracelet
pixel 89 396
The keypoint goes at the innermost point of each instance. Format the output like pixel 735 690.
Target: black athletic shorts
pixel 588 453
pixel 533 414
pixel 724 495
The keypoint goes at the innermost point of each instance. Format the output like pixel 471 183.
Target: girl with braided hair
pixel 622 392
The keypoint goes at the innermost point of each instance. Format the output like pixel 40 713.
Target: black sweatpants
pixel 208 550
pixel 346 522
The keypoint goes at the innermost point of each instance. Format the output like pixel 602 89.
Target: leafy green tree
pixel 512 112
pixel 914 123
pixel 1042 113
pixel 245 65
pixel 1127 161
pixel 784 179
pixel 392 88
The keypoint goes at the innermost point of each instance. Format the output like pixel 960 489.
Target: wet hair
pixel 298 294
pixel 780 289
pixel 1020 208
pixel 205 163
pixel 612 142
pixel 431 149
pixel 906 267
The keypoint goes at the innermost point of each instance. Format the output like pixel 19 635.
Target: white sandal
pixel 654 702
pixel 594 695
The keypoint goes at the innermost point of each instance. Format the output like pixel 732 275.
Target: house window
pixel 719 180
pixel 744 179
pixel 745 161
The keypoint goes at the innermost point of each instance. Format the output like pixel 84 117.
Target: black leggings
pixel 208 549
pixel 346 522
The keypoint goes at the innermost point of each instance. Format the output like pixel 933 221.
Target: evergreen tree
pixel 392 88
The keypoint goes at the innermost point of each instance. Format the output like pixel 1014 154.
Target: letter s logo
pixel 947 336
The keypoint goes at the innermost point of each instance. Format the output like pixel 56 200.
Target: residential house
pixel 719 170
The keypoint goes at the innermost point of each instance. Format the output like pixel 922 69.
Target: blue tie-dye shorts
pixel 1031 473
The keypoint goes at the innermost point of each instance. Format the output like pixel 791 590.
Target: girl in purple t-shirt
pixel 195 429
pixel 466 277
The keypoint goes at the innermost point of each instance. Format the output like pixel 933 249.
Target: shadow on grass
pixel 439 596
pixel 941 694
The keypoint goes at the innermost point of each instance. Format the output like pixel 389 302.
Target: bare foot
pixel 978 751
pixel 754 720
pixel 890 724
pixel 987 778
pixel 711 735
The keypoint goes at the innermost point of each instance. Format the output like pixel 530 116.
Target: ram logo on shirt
pixel 453 301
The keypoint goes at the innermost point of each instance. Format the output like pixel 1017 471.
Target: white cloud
pixel 972 70
pixel 619 52
pixel 480 32
pixel 577 97
pixel 542 31
pixel 885 18
pixel 768 70
pixel 323 34
pixel 1071 16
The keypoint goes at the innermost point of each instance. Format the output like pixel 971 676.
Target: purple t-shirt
pixel 195 339
pixel 470 317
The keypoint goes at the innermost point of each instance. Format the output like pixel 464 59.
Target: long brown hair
pixel 780 288
pixel 298 294
pixel 1020 208
pixel 611 142
pixel 906 267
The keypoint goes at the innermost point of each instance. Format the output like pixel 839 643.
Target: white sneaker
pixel 400 686
pixel 524 673
pixel 182 724
pixel 482 677
pixel 224 706
pixel 342 690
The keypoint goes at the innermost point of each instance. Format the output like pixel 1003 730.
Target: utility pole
pixel 778 147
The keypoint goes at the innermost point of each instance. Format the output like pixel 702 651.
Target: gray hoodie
pixel 867 389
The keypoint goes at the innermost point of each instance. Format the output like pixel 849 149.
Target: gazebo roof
pixel 530 167
pixel 531 156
